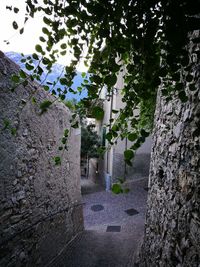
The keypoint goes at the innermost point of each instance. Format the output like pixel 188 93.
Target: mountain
pixel 56 71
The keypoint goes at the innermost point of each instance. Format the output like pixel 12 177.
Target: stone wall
pixel 172 235
pixel 140 163
pixel 41 207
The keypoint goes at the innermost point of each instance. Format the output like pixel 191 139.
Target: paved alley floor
pixel 114 226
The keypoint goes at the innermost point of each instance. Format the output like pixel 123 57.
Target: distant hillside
pixel 56 70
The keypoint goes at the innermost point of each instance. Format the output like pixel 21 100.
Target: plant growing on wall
pixel 147 38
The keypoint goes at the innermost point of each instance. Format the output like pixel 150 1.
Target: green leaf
pixel 45 31
pixel 97 79
pixel 6 124
pixel 29 67
pixel 83 74
pixel 129 163
pixel 109 136
pixel 183 97
pixel 15 25
pixel 25 83
pixel 64 140
pixel 115 128
pixel 15 78
pixel 42 39
pixel 63 53
pixel 128 154
pixel 63 81
pixel 57 160
pixel 132 137
pixel 22 74
pixel 98 113
pixel 33 100
pixel 13 131
pixel 117 189
pixel 66 132
pixel 144 133
pixel 16 10
pixel 62 97
pixel 45 105
pixel 192 87
pixel 46 87
pixel 38 48
pixel 111 80
pixel 35 56
pixel 21 31
pixel 46 20
pixel 63 46
pixel 75 125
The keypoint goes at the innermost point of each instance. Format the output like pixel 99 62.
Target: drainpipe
pixel 125 165
pixel 108 176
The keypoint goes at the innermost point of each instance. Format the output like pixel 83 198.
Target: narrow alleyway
pixel 114 227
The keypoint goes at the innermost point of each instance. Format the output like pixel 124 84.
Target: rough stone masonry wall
pixel 40 208
pixel 172 235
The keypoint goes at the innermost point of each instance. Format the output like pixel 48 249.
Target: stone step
pixel 98 249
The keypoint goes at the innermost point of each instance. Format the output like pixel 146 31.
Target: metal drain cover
pixel 131 212
pixel 97 207
pixel 113 228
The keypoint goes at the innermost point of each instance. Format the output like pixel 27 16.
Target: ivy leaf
pixel 63 81
pixel 15 78
pixel 64 140
pixel 110 80
pixel 57 160
pixel 75 125
pixel 42 39
pixel 6 124
pixel 132 137
pixel 16 10
pixel 33 100
pixel 183 97
pixel 63 46
pixel 38 48
pixel 66 132
pixel 29 66
pixel 15 25
pixel 35 56
pixel 63 53
pixel 45 31
pixel 144 133
pixel 45 105
pixel 46 20
pixel 62 97
pixel 128 154
pixel 22 74
pixel 192 87
pixel 13 131
pixel 21 31
pixel 117 189
pixel 129 163
pixel 109 136
pixel 98 113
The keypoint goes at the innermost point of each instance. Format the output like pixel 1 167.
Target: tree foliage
pixel 147 38
pixel 89 142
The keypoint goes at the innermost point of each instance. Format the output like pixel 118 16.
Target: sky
pixel 22 43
